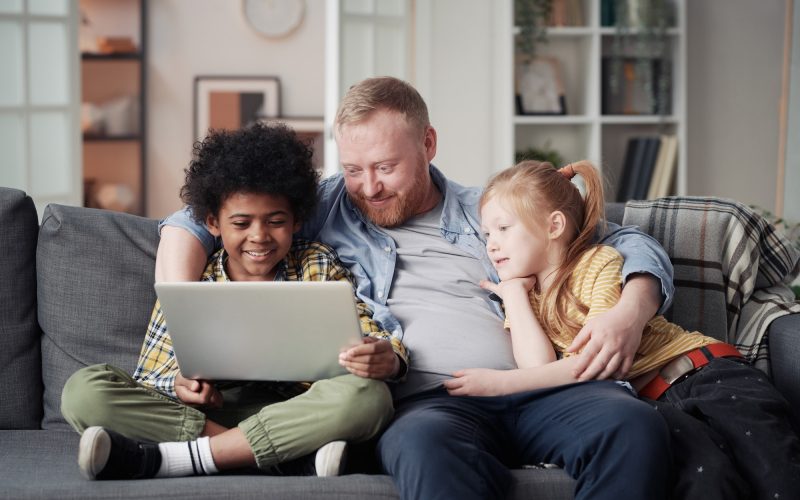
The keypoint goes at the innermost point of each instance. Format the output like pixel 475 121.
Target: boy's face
pixel 256 231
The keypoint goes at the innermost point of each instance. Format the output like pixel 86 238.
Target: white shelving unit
pixel 584 132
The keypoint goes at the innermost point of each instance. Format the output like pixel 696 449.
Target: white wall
pixel 735 52
pixel 456 81
pixel 187 38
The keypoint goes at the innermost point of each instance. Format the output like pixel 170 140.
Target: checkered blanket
pixel 732 268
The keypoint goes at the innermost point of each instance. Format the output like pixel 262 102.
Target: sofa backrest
pixel 95 293
pixel 20 356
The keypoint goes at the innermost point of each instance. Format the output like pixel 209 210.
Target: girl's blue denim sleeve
pixel 642 254
pixel 183 219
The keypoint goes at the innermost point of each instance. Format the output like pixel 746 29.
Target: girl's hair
pixel 533 190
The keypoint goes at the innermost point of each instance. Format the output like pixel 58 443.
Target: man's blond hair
pixel 386 93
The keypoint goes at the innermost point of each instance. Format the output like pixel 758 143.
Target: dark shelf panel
pixel 110 138
pixel 130 56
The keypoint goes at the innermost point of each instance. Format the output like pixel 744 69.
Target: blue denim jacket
pixel 371 255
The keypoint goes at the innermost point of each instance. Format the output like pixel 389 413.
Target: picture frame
pixel 232 102
pixel 539 87
pixel 310 129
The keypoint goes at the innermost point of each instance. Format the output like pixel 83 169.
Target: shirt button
pixel 467 230
pixel 387 249
pixel 380 295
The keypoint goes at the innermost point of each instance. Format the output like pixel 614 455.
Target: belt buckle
pixel 676 369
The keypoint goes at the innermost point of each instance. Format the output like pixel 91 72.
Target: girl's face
pixel 515 250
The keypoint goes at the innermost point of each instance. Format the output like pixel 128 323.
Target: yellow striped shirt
pixel 597 283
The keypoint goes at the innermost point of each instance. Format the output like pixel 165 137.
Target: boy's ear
pixel 558 224
pixel 297 226
pixel 213 225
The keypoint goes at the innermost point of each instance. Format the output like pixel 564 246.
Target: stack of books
pixel 648 170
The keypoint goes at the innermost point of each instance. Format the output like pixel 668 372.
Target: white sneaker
pixel 330 459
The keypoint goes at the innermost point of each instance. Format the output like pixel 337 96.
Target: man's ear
pixel 213 225
pixel 558 224
pixel 430 143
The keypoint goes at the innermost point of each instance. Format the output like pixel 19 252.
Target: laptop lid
pixel 260 330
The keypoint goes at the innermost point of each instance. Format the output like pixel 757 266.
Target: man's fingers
pixel 611 367
pixel 369 347
pixel 580 339
pixel 585 358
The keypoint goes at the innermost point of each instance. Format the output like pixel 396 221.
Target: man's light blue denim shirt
pixel 371 255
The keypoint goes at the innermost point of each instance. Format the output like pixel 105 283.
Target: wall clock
pixel 274 18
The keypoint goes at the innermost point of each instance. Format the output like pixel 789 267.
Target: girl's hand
pixel 477 382
pixel 500 289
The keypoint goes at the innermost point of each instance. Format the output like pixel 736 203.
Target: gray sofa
pixel 77 290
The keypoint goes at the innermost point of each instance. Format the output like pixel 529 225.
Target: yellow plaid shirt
pixel 306 261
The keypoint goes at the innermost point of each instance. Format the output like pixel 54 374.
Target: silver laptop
pixel 260 330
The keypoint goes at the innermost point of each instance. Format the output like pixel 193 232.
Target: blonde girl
pixel 727 420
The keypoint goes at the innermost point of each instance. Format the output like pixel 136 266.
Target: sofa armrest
pixel 784 352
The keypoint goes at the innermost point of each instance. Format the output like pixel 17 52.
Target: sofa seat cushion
pixel 95 271
pixel 43 464
pixel 20 357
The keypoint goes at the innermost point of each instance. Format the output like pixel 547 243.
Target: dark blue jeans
pixel 732 435
pixel 442 446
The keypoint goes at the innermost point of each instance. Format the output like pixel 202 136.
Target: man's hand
pixel 477 382
pixel 504 287
pixel 373 358
pixel 608 342
pixel 197 392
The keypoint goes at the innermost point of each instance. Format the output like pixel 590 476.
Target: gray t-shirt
pixel 447 319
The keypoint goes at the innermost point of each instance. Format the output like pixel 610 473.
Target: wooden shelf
pixel 111 138
pixel 128 56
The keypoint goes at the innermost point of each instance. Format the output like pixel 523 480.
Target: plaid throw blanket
pixel 732 268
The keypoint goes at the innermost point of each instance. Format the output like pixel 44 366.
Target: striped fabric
pixel 597 283
pixel 306 261
pixel 732 268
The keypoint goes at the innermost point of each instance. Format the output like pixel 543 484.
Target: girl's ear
pixel 558 224
pixel 213 225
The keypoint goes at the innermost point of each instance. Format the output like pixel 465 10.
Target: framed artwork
pixel 232 102
pixel 539 87
pixel 310 129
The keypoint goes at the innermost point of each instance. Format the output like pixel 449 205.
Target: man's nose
pixel 372 185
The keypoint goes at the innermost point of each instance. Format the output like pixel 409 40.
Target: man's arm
pixel 180 256
pixel 609 341
pixel 184 248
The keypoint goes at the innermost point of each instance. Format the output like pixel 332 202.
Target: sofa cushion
pixel 42 464
pixel 20 357
pixel 95 292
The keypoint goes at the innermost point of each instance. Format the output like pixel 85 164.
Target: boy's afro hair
pixel 262 159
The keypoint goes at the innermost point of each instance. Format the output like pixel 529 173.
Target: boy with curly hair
pixel 252 188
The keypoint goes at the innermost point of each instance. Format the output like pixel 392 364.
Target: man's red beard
pixel 401 207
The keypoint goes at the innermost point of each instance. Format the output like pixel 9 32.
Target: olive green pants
pixel 347 407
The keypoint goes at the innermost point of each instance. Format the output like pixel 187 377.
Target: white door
pixel 364 38
pixel 39 100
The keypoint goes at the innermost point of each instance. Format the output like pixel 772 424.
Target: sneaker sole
pixel 330 459
pixel 93 453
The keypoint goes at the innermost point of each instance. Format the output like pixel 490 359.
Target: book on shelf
pixel 566 13
pixel 630 86
pixel 638 165
pixel 645 171
pixel 664 173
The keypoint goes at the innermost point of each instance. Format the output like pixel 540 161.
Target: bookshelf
pixel 584 131
pixel 113 94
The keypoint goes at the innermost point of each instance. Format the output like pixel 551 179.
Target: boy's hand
pixel 373 358
pixel 197 392
pixel 476 382
pixel 508 286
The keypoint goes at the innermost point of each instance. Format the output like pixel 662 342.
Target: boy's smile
pixel 256 231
